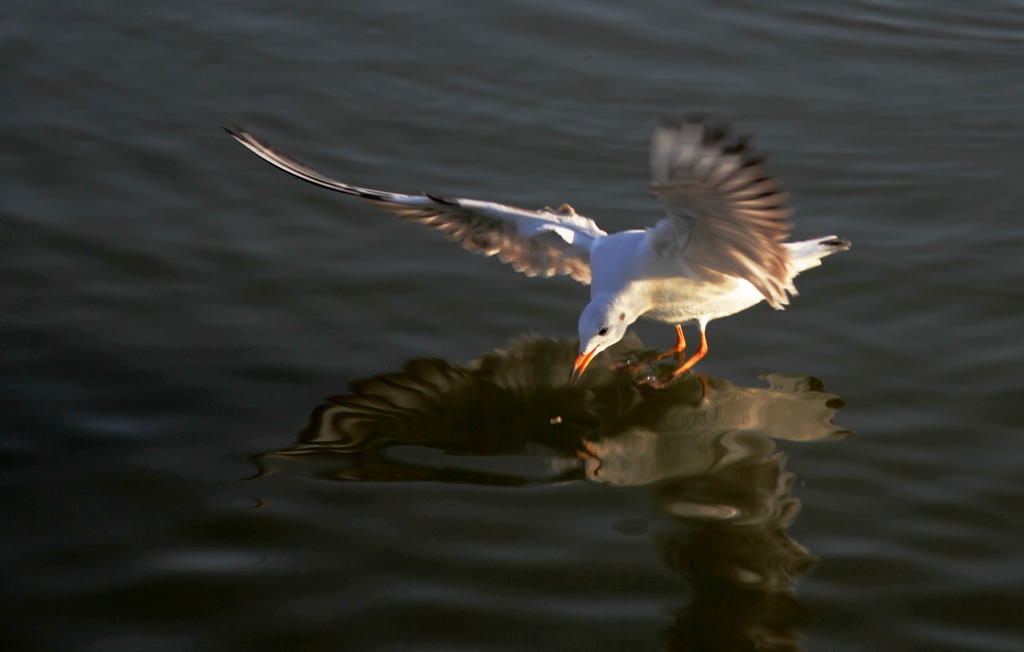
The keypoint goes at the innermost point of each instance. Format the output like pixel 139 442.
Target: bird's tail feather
pixel 808 253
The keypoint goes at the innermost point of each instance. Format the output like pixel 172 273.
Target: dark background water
pixel 174 310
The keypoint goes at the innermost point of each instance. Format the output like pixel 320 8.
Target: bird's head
pixel 602 324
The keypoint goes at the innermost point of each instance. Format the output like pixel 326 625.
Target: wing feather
pixel 725 212
pixel 537 243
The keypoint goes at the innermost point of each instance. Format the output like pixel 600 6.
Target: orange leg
pixel 680 348
pixel 684 366
pixel 694 359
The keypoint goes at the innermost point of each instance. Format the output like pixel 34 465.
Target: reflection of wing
pixel 537 243
pixel 520 388
pixel 498 405
pixel 725 213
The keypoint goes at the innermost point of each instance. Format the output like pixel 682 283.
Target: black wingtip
pixel 741 145
pixel 235 130
pixel 838 243
pixel 439 199
pixel 718 130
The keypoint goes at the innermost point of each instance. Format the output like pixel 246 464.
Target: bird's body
pixel 664 288
pixel 672 292
pixel 718 252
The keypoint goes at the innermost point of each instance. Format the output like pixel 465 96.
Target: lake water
pixel 175 313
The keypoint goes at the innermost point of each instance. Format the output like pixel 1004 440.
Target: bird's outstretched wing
pixel 725 212
pixel 537 243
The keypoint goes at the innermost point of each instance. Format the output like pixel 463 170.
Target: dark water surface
pixel 174 312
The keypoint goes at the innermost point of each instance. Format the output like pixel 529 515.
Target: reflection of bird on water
pixel 713 468
pixel 710 466
pixel 719 251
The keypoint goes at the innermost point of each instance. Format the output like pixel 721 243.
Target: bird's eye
pixel 603 331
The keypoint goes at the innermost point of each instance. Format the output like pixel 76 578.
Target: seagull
pixel 719 250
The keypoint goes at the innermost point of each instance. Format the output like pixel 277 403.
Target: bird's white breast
pixel 672 290
pixel 677 300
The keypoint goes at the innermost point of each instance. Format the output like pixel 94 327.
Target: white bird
pixel 720 250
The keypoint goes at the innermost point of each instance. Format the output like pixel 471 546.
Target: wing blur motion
pixel 725 212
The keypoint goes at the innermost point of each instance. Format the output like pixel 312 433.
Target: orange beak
pixel 582 360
